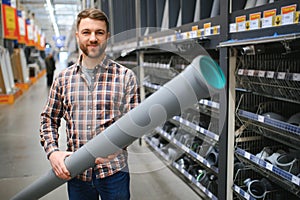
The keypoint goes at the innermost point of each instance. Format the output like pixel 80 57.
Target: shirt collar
pixel 105 63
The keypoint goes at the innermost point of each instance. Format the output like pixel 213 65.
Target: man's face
pixel 92 36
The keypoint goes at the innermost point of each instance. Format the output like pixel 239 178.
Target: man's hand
pixel 101 160
pixel 58 165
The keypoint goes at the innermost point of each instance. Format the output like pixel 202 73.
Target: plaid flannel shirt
pixel 88 110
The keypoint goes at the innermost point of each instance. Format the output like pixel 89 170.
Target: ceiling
pixel 64 12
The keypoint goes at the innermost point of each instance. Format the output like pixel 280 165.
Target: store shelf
pixel 261 40
pixel 158 150
pixel 194 181
pixel 277 23
pixel 196 128
pixel 277 130
pixel 287 180
pixel 272 122
pixel 187 150
pixel 10 98
pixel 222 36
pixel 182 171
pixel 267 166
pixel 242 192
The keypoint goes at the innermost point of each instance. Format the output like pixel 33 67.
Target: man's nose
pixel 93 37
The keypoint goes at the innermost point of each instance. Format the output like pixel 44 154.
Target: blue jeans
pixel 114 187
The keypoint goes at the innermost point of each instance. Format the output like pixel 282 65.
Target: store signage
pixel 232 27
pixel 30 36
pixel 241 23
pixel 268 18
pixel 22 28
pixel 6 2
pixel 288 14
pixel 254 20
pixel 207 28
pixel 10 22
pixel 278 20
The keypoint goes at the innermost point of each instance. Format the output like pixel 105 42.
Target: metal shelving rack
pixel 261 81
pixel 157 62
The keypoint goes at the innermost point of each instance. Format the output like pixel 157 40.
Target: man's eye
pixel 100 33
pixel 85 33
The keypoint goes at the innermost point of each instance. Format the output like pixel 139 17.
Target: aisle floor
pixel 23 160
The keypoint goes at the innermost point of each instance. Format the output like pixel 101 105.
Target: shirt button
pixel 88 127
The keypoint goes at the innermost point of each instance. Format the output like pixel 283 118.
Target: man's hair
pixel 92 13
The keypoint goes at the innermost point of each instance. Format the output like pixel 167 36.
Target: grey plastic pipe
pixel 197 81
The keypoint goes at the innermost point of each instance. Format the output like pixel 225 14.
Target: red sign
pixel 10 22
pixel 22 30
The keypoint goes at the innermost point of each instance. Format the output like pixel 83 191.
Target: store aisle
pixel 22 159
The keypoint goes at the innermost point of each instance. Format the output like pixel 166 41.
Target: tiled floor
pixel 23 160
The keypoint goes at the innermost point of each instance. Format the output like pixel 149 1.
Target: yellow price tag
pixel 199 33
pixel 297 17
pixel 278 20
pixel 247 25
pixel 215 30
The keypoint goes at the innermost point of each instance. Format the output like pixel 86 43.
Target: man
pixel 50 68
pixel 90 95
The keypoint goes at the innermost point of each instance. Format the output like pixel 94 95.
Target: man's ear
pixel 76 35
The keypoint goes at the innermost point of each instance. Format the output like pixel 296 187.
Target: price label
pixel 297 16
pixel 201 130
pixel 207 28
pixel 267 22
pixel 261 73
pixel 254 24
pixel 187 123
pixel 296 180
pixel 241 72
pixel 247 196
pixel 180 120
pixel 269 166
pixel 185 148
pixel 278 20
pixel 207 31
pixel 250 72
pixel 237 189
pixel 185 35
pixel 193 34
pixel 288 18
pixel 281 75
pixel 209 194
pixel 232 28
pixel 260 118
pixel 216 30
pixel 270 74
pixel 215 105
pixel 241 26
pixel 199 33
pixel 194 28
pixel 247 155
pixel 296 77
pixel 199 157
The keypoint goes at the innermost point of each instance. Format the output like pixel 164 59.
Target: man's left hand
pixel 101 160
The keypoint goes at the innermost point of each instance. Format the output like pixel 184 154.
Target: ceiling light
pixel 52 18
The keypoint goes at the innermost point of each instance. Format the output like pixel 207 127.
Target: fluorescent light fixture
pixel 52 18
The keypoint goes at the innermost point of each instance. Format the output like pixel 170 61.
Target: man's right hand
pixel 58 165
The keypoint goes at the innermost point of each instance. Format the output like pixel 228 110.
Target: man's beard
pixel 95 53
